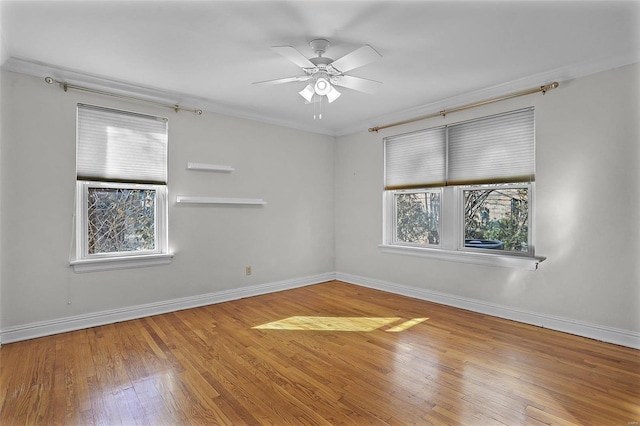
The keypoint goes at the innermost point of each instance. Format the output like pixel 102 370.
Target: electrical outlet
pixel 247 270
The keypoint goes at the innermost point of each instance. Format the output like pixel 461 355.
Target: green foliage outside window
pixel 418 217
pixel 498 214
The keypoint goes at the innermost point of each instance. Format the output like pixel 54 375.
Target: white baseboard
pixel 593 331
pixel 580 328
pixel 63 325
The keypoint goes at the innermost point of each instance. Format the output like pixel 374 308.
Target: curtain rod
pixel 443 113
pixel 67 86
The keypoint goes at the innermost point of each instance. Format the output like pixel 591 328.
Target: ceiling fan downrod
pixel 319 45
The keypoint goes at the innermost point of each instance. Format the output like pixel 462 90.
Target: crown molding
pixel 560 75
pixel 41 70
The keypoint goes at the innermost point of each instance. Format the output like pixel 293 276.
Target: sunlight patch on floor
pixel 406 325
pixel 309 323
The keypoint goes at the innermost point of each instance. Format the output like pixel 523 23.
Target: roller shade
pixel 416 160
pixel 120 146
pixel 496 149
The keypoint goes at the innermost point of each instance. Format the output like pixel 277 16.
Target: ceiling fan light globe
pixel 333 94
pixel 322 86
pixel 307 93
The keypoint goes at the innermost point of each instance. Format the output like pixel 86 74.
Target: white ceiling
pixel 208 53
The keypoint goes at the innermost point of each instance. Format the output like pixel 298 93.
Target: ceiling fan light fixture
pixel 323 73
pixel 307 93
pixel 333 94
pixel 322 86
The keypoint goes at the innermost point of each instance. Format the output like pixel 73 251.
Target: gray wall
pixel 324 210
pixel 586 209
pixel 290 237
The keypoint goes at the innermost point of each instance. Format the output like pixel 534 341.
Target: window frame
pixel 530 222
pixel 452 234
pixel 160 219
pixel 85 262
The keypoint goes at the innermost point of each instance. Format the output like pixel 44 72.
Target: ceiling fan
pixel 325 73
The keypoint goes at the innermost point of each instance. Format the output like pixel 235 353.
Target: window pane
pixel 121 220
pixel 497 218
pixel 418 217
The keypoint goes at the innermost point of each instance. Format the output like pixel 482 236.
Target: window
pixel 463 188
pixel 121 193
pixel 496 217
pixel 417 217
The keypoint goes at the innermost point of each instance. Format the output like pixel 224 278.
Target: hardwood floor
pixel 331 353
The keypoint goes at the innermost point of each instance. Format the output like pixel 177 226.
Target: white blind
pixel 493 149
pixel 120 146
pixel 415 160
pixel 496 149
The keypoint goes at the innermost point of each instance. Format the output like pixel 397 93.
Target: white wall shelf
pixel 184 199
pixel 209 167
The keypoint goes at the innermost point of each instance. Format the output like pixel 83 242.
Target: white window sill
pixel 480 258
pixel 122 262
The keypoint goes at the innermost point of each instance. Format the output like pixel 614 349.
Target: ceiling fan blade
pixel 292 54
pixel 284 80
pixel 359 57
pixel 356 83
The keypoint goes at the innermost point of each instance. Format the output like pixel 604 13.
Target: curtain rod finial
pixel 548 87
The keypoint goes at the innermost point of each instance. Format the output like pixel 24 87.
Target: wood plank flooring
pixel 331 353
